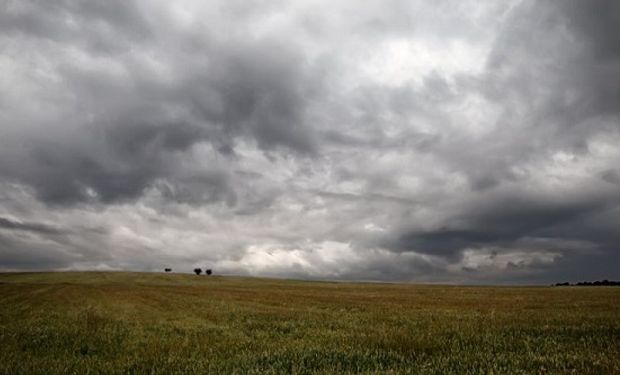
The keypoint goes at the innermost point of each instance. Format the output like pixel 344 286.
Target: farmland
pixel 124 323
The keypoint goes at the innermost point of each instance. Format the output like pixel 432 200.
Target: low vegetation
pixel 130 323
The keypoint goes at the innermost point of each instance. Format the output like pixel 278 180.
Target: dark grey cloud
pixel 559 62
pixel 94 26
pixel 597 22
pixel 16 255
pixel 454 141
pixel 9 224
pixel 122 127
pixel 504 222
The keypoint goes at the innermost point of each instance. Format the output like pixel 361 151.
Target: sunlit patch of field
pixel 96 322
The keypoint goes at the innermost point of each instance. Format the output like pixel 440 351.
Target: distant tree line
pixel 591 283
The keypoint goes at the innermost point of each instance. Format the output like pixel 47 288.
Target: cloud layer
pixel 457 141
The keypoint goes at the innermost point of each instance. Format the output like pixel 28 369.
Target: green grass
pixel 125 323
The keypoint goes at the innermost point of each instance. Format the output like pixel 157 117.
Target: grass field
pixel 97 322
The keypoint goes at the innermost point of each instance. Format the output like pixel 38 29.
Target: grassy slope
pixel 167 323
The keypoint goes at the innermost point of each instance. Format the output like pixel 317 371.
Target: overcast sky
pixel 427 141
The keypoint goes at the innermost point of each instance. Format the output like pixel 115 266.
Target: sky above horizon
pixel 445 141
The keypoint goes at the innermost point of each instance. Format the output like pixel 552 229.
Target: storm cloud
pixel 456 141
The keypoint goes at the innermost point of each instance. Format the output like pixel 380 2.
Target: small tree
pixel 208 271
pixel 197 271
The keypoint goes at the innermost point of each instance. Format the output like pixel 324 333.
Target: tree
pixel 197 271
pixel 168 269
pixel 208 271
